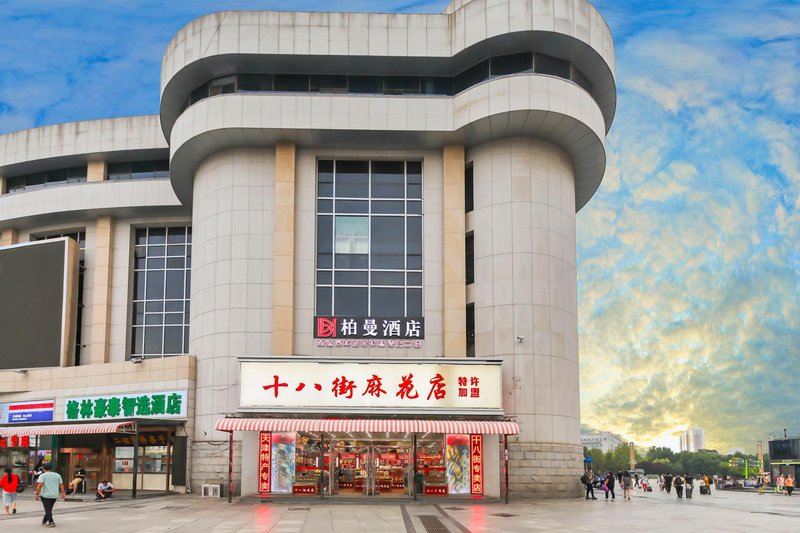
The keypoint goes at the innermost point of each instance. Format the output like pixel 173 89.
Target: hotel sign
pixel 26 412
pixel 369 328
pixel 170 404
pixel 366 385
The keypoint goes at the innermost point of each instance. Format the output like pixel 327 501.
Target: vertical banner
pixel 476 463
pixel 264 462
pixel 457 464
pixel 283 462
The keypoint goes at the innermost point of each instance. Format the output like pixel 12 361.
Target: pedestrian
pixel 588 480
pixel 789 484
pixel 688 481
pixel 9 483
pixel 627 485
pixel 678 483
pixel 779 486
pixel 37 470
pixel 707 483
pixel 636 481
pixel 619 476
pixel 610 482
pixel 48 487
pixel 661 482
pixel 668 483
pixel 644 484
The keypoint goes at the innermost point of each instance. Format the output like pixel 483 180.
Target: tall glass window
pixel 80 237
pixel 161 288
pixel 369 238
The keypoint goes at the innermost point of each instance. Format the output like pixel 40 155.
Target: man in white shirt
pixel 104 490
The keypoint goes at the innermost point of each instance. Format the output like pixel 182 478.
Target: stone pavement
pixel 722 511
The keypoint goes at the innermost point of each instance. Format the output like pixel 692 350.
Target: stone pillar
pixel 97 171
pixel 101 291
pixel 283 255
pixel 2 185
pixel 454 230
pixel 526 306
pixel 232 287
pixel 8 237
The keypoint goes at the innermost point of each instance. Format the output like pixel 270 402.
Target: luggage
pixel 703 489
pixel 649 488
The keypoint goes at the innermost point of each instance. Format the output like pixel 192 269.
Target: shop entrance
pixel 364 468
pixel 89 459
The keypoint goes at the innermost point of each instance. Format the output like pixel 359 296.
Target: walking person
pixel 627 485
pixel 668 483
pixel 779 486
pixel 9 483
pixel 678 483
pixel 689 485
pixel 789 484
pixel 661 482
pixel 48 487
pixel 610 482
pixel 636 481
pixel 588 481
pixel 707 483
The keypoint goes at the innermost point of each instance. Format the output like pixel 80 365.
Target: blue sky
pixel 688 262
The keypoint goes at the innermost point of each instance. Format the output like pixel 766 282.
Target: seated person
pixel 104 490
pixel 80 476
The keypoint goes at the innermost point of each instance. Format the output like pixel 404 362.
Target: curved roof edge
pixel 74 143
pixel 578 31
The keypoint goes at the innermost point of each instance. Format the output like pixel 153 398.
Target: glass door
pixel 90 460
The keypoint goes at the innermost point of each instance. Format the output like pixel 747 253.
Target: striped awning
pixel 315 425
pixel 68 429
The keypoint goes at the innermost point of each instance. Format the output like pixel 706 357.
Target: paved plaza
pixel 723 511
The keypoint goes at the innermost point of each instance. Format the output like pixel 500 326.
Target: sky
pixel 688 259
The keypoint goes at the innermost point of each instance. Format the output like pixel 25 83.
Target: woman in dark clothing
pixel 610 484
pixel 678 482
pixel 668 483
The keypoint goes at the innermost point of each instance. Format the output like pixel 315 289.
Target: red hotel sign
pixel 476 463
pixel 264 450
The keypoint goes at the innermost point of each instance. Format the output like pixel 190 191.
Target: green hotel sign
pixel 171 404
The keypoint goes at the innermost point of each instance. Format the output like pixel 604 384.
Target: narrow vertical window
pixel 470 330
pixel 469 255
pixel 469 190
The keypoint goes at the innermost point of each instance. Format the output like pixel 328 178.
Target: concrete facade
pixel 243 175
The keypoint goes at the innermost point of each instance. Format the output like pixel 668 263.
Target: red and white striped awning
pixel 315 425
pixel 68 429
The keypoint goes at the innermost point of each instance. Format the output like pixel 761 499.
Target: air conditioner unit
pixel 211 490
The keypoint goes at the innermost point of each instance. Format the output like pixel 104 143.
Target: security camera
pixel 520 338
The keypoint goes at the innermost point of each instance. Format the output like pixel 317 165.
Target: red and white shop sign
pixel 400 385
pixel 476 463
pixel 15 441
pixel 264 463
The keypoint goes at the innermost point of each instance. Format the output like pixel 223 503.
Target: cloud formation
pixel 688 263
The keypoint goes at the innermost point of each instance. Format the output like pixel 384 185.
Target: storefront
pixel 390 438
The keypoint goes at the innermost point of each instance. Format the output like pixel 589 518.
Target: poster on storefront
pixel 400 385
pixel 283 462
pixel 457 464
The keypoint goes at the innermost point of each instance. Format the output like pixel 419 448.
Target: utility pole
pixel 760 454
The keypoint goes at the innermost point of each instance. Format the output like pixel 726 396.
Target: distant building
pixel 693 439
pixel 734 451
pixel 604 441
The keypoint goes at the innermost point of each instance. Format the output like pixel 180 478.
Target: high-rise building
pixel 692 440
pixel 345 248
pixel 601 440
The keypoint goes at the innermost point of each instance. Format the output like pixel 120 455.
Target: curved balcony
pixel 527 105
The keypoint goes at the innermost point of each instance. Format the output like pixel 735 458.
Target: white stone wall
pixel 526 283
pixel 232 273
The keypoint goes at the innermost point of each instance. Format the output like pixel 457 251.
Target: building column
pixel 97 171
pixel 101 291
pixel 283 255
pixel 2 185
pixel 8 237
pixel 454 231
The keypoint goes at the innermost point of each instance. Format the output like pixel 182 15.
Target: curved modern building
pixel 341 260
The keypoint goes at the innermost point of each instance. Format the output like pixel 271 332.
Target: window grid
pixel 162 262
pixel 327 206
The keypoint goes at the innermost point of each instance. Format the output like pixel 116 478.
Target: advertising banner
pixel 405 385
pixel 169 404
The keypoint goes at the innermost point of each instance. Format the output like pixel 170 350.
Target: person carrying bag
pixel 10 483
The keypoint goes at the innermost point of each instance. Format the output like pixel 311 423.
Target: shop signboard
pixel 26 412
pixel 169 404
pixel 457 462
pixel 264 462
pixel 353 385
pixel 360 327
pixel 476 462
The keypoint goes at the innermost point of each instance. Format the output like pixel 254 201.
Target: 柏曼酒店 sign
pixel 405 385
